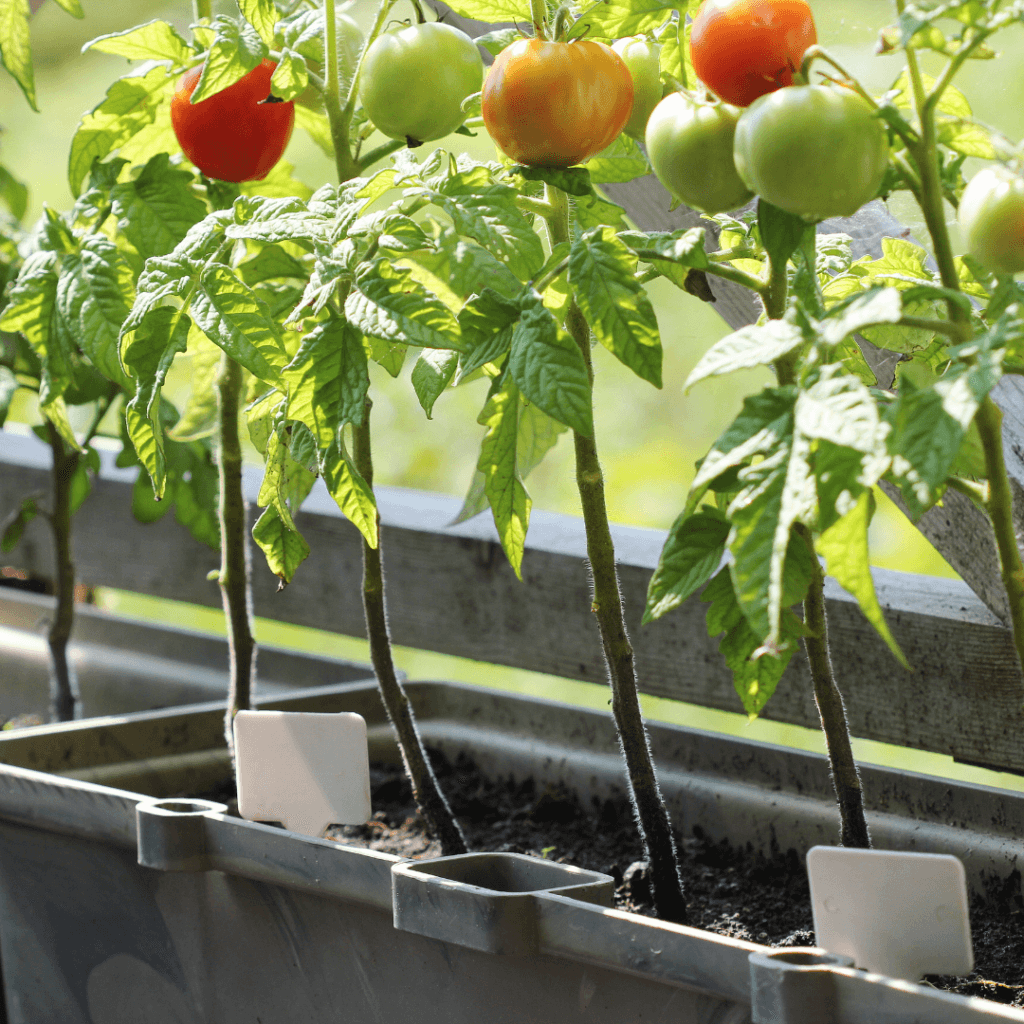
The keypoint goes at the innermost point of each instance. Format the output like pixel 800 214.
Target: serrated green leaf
pixel 290 78
pixel 623 160
pixel 613 19
pixel 755 679
pixel 431 374
pixel 466 267
pixel 489 215
pixel 158 207
pixel 503 486
pixel 486 323
pixel 549 369
pixel 271 262
pixel 387 303
pixel 597 211
pixel 328 380
pixel 94 295
pixel 602 274
pixel 493 10
pixel 234 53
pixel 757 345
pixel 286 481
pixel 692 553
pixel 876 306
pixel 199 417
pixel 351 492
pixel 234 317
pixel 685 247
pixel 16 46
pixel 131 104
pixel 496 41
pixel 844 546
pixel 262 15
pixel 155 40
pixel 285 549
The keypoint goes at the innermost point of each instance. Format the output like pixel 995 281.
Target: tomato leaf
pixel 623 160
pixel 431 374
pixel 486 323
pixel 757 345
pixel 844 546
pixel 8 386
pixel 262 15
pixel 503 485
pixel 602 273
pixel 493 10
pixel 157 207
pixel 16 46
pixel 781 232
pixel 199 417
pixel 613 19
pixel 327 380
pixel 597 211
pixel 548 367
pixel 14 526
pixel 692 553
pixel 489 215
pixel 351 492
pixel 291 76
pixel 130 105
pixel 496 41
pixel 234 317
pixel 755 679
pixel 575 181
pixel 94 293
pixel 284 547
pixel 236 50
pixel 286 481
pixel 155 40
pixel 386 303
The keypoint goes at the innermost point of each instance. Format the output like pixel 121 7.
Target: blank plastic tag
pixel 303 769
pixel 900 914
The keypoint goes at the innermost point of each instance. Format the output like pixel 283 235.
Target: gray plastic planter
pixel 151 907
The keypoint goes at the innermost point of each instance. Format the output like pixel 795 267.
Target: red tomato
pixel 742 49
pixel 237 134
pixel 556 104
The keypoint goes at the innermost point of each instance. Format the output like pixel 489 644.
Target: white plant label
pixel 306 770
pixel 900 914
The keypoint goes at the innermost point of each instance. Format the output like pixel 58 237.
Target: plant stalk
pixel 235 564
pixel 853 827
pixel 431 802
pixel 652 815
pixel 63 686
pixel 425 790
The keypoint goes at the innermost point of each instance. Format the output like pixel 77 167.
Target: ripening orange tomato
pixel 742 49
pixel 556 104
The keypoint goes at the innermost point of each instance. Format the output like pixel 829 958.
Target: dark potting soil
pixel 730 891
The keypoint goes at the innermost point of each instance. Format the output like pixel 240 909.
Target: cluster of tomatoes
pixel 816 151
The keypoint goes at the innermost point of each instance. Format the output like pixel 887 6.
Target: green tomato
pixel 812 150
pixel 690 146
pixel 414 81
pixel 643 59
pixel 991 214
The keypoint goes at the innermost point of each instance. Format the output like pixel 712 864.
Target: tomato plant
pixel 690 146
pixel 643 59
pixel 742 49
pixel 239 133
pixel 813 150
pixel 991 214
pixel 556 104
pixel 415 80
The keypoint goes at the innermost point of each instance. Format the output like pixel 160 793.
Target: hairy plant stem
pixel 202 9
pixel 235 564
pixel 989 418
pixel 853 827
pixel 429 798
pixel 651 813
pixel 63 688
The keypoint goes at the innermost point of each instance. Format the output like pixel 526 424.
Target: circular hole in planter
pixel 186 806
pixel 805 957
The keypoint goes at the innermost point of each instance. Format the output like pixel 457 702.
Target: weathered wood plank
pixel 450 590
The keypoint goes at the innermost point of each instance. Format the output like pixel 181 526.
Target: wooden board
pixel 450 590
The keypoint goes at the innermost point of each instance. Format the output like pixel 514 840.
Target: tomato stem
pixel 539 13
pixel 652 815
pixel 425 789
pixel 379 153
pixel 236 566
pixel 203 9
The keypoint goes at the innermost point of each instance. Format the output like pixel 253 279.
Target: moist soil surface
pixel 730 891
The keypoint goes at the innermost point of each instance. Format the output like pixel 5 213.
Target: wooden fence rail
pixel 450 590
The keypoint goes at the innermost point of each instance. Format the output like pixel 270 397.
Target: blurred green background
pixel 649 439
